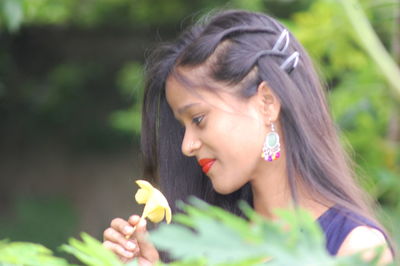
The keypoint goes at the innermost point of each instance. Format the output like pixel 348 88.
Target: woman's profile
pixel 234 110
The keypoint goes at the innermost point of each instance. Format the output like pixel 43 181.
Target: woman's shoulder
pixel 347 232
pixel 365 238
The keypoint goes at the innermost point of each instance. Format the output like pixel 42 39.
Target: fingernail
pixel 130 245
pixel 128 254
pixel 142 223
pixel 128 229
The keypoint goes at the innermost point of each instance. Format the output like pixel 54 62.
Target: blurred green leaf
pixel 24 253
pixel 91 252
pixel 208 235
pixel 214 237
pixel 128 121
pixel 55 214
pixel 12 13
pixel 131 85
pixel 368 39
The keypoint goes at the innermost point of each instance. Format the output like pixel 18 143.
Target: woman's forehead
pixel 178 96
pixel 196 80
pixel 177 92
pixel 190 76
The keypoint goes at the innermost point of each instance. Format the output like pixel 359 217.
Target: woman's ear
pixel 270 104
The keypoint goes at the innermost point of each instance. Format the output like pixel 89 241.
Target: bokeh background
pixel 70 93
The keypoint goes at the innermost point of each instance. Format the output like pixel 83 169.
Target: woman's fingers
pixel 137 245
pixel 119 250
pixel 147 250
pixel 110 234
pixel 122 226
pixel 115 236
pixel 134 220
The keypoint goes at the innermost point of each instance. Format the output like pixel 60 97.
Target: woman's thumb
pixel 147 249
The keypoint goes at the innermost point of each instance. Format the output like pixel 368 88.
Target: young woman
pixel 234 110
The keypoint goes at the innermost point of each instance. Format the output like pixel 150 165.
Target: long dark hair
pixel 230 45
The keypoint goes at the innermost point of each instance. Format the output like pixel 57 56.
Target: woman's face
pixel 223 132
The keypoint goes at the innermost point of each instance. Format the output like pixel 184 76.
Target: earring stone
pixel 272 147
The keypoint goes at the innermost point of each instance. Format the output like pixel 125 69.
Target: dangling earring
pixel 272 147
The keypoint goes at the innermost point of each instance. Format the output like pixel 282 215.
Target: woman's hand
pixel 136 246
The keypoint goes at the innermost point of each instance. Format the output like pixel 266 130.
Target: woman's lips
pixel 206 164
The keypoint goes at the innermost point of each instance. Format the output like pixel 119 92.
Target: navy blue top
pixel 337 223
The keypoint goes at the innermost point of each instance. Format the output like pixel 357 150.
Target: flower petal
pixel 157 214
pixel 160 198
pixel 144 184
pixel 168 215
pixel 150 206
pixel 142 196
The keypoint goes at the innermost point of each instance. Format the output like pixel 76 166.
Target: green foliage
pixel 126 13
pixel 128 120
pixel 90 251
pixel 89 14
pixel 368 39
pixel 23 253
pixel 12 14
pixel 360 98
pixel 315 28
pixel 130 82
pixel 54 215
pixel 207 235
pixel 62 88
pixel 254 5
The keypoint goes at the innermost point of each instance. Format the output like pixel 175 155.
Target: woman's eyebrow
pixel 185 107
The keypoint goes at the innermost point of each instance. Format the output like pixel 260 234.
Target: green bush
pixel 207 235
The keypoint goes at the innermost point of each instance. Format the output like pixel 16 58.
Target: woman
pixel 234 110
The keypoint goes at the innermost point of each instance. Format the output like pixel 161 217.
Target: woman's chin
pixel 223 189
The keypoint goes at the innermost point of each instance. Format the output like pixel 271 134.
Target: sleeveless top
pixel 337 223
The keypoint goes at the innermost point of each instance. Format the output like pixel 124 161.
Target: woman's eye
pixel 197 120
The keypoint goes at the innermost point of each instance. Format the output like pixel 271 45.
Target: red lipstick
pixel 206 164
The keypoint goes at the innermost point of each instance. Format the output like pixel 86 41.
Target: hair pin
pixel 293 58
pixel 283 37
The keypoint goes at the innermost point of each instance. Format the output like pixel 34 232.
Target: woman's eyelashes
pixel 197 120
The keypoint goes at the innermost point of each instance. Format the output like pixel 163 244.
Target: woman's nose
pixel 189 145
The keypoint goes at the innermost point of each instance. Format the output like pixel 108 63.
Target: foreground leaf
pixel 208 235
pixel 90 251
pixel 24 253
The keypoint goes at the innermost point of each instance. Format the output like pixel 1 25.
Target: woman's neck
pixel 271 191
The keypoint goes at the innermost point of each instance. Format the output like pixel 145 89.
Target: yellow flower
pixel 156 204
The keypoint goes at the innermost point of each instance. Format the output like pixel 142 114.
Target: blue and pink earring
pixel 272 147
